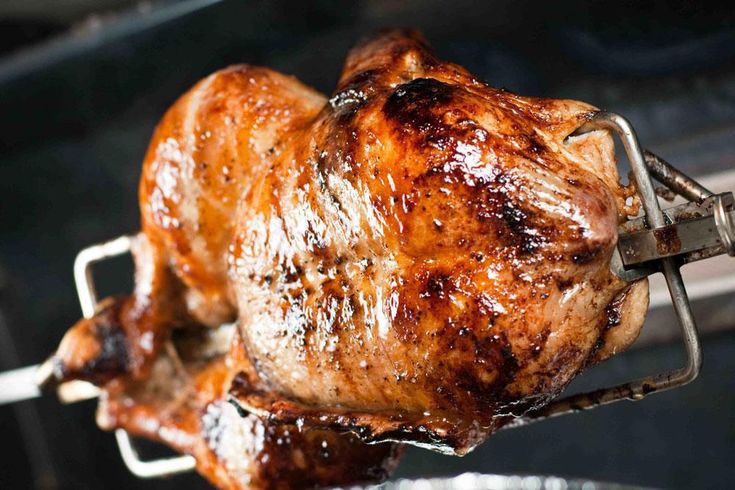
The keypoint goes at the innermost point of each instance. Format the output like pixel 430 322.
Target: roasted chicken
pixel 419 258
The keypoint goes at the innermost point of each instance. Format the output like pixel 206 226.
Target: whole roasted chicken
pixel 419 258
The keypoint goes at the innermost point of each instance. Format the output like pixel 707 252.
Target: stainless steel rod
pixel 675 179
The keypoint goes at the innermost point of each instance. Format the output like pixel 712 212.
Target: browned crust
pixel 420 258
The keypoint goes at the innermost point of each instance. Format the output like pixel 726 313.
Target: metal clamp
pixel 654 218
pixel 84 280
pixel 725 226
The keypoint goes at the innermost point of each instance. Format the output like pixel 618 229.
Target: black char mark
pixel 612 318
pixel 414 105
pixel 421 111
pixel 112 358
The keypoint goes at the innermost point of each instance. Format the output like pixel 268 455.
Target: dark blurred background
pixel 83 82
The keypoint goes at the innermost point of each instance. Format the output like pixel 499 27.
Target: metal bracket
pixel 84 280
pixel 725 226
pixel 654 217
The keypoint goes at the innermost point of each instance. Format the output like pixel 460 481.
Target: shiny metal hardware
pixel 696 231
pixel 725 223
pixel 84 280
pixel 643 165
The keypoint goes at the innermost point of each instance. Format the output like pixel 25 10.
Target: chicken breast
pixel 420 258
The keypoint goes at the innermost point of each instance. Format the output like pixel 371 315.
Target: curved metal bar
pixel 83 269
pixel 617 123
pixel 725 226
pixel 151 469
pixel 638 389
pixel 88 301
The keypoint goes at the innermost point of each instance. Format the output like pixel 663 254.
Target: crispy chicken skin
pixel 183 404
pixel 420 258
pixel 430 259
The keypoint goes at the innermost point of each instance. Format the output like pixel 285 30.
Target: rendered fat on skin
pixel 419 258
pixel 183 403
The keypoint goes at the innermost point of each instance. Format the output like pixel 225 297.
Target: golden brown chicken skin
pixel 430 259
pixel 183 403
pixel 420 258
pixel 205 153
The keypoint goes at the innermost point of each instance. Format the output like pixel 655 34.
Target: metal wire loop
pixel 725 226
pixel 84 280
pixel 638 389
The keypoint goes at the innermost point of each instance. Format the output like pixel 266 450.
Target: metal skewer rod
pixel 675 179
